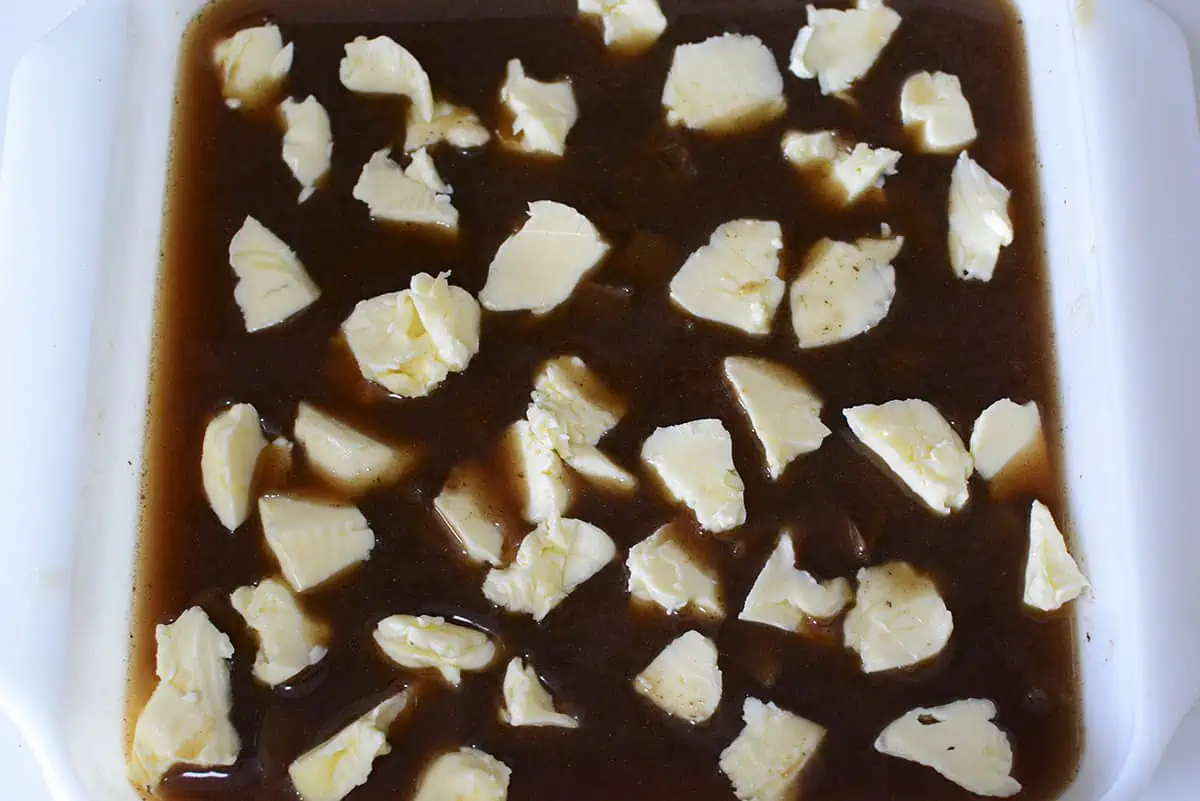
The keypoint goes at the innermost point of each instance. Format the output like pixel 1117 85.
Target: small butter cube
pixel 723 83
pixel 959 741
pixel 552 561
pixel 232 444
pixel 334 768
pixel 684 680
pixel 898 620
pixel 765 761
pixel 694 461
pixel 920 447
pixel 314 541
pixel 425 641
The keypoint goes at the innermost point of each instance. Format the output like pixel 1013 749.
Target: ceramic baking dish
pixel 82 182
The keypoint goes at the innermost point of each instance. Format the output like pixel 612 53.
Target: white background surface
pixel 21 21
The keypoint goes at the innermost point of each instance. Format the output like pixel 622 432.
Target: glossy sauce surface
pixel 656 194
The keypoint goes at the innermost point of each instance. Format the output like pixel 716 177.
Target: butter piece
pixel 784 412
pixel 934 103
pixel 662 572
pixel 766 760
pixel 898 620
pixel 843 290
pixel 186 721
pixel 959 741
pixel 629 25
pixel 725 82
pixel 464 775
pixel 457 126
pixel 273 285
pixel 410 341
pixel 288 642
pixel 539 266
pixel 252 64
pixel 346 456
pixel 381 66
pixel 919 445
pixel 838 47
pixel 695 463
pixel 1051 576
pixel 552 561
pixel 527 702
pixel 307 142
pixel 233 442
pixel 684 680
pixel 542 113
pixel 426 641
pixel 415 194
pixel 314 541
pixel 734 279
pixel 787 598
pixel 334 768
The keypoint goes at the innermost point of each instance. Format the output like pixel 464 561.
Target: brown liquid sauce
pixel 657 194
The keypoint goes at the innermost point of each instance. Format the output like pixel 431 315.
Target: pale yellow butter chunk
pixel 854 168
pixel 663 573
pixel 979 223
pixel 463 507
pixel 273 285
pixel 838 47
pixel 345 456
pixel 1003 433
pixel 934 104
pixel 307 142
pixel 314 541
pixel 552 561
pixel 186 721
pixel 843 290
pixel 288 642
pixel 337 766
pixel 233 441
pixel 959 741
pixel 766 760
pixel 784 412
pixel 787 598
pixel 694 461
pixel 725 82
pixel 410 341
pixel 920 447
pixel 539 266
pixel 734 279
pixel 684 680
pixel 1051 576
pixel 252 64
pixel 415 194
pixel 628 24
pixel 571 410
pixel 467 774
pixel 541 474
pixel 864 168
pixel 457 126
pixel 805 149
pixel 899 619
pixel 527 702
pixel 543 113
pixel 425 641
pixel 381 66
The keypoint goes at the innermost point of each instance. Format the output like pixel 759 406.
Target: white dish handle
pixel 49 274
pixel 1139 98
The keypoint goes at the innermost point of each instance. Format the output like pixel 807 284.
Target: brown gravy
pixel 657 194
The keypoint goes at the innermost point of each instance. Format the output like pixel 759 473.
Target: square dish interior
pixel 942 341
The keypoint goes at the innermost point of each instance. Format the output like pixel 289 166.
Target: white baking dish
pixel 81 192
